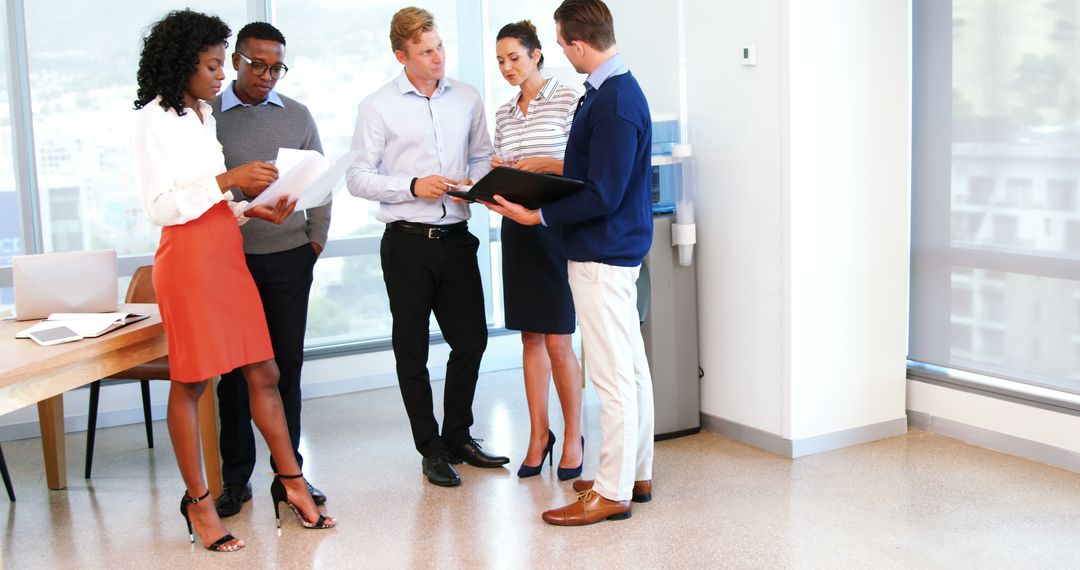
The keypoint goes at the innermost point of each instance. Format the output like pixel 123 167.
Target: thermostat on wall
pixel 749 54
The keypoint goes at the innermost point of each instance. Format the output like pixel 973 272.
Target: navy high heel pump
pixel 566 474
pixel 533 470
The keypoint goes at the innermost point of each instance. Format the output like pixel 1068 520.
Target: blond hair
pixel 407 25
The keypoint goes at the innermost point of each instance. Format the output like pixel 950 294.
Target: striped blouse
pixel 543 132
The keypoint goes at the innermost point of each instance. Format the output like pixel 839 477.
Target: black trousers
pixel 440 276
pixel 284 282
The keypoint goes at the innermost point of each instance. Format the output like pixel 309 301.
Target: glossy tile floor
pixel 918 501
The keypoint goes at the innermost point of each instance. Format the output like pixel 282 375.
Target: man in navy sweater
pixel 607 228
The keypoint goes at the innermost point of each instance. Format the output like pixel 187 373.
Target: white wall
pixel 846 197
pixel 736 129
pixel 647 36
pixel 994 415
pixel 803 187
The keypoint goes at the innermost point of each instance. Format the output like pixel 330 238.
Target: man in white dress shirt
pixel 417 135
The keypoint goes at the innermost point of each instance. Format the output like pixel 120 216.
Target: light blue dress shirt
pixel 401 135
pixel 230 100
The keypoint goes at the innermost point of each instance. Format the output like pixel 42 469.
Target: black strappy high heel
pixel 277 492
pixel 219 545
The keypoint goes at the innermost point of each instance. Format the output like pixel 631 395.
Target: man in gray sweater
pixel 253 122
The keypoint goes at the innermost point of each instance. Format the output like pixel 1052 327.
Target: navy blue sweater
pixel 610 143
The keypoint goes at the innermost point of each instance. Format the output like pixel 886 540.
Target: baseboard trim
pixel 849 437
pixel 676 434
pixel 806 446
pixel 996 441
pixel 746 434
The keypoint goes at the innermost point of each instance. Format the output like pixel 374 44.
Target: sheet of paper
pixel 308 178
pixel 297 169
pixel 319 192
pixel 289 158
pixel 105 317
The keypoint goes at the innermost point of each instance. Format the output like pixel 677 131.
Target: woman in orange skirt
pixel 209 305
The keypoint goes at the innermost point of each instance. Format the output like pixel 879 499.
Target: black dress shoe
pixel 438 470
pixel 316 495
pixel 232 499
pixel 470 453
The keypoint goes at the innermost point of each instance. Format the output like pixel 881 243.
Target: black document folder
pixel 530 189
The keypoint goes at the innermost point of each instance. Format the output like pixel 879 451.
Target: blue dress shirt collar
pixel 610 68
pixel 230 100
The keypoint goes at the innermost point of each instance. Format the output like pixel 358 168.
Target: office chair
pixel 7 478
pixel 140 290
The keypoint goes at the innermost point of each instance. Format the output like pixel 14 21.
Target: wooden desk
pixel 30 374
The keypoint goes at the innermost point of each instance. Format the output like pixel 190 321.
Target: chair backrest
pixel 141 287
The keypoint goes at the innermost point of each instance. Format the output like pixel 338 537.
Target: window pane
pixel 348 301
pixel 82 81
pixel 1015 143
pixel 999 325
pixel 10 229
pixel 996 215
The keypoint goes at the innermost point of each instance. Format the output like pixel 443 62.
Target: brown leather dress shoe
pixel 588 509
pixel 642 492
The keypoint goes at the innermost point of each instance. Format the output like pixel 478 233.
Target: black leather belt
pixel 428 230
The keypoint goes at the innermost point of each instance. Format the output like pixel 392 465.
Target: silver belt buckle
pixel 433 233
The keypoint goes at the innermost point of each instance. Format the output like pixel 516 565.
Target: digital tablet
pixel 54 335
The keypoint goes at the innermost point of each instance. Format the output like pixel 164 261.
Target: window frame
pixel 472 28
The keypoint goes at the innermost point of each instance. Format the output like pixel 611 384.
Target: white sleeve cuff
pixel 238 211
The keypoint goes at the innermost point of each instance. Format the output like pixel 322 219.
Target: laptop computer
pixel 68 282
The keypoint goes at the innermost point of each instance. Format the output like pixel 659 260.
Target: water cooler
pixel 667 289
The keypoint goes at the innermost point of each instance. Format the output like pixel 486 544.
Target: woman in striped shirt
pixel 530 134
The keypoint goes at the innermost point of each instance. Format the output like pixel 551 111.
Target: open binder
pixel 530 189
pixel 85 325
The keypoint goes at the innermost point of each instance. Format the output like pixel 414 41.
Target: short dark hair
pixel 587 21
pixel 524 32
pixel 259 31
pixel 170 55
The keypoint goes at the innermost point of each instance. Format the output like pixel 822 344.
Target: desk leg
pixel 208 429
pixel 51 419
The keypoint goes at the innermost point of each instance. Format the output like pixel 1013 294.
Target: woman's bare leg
pixel 269 417
pixel 183 420
pixel 537 372
pixel 567 372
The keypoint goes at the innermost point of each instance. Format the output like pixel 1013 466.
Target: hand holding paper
pixel 254 177
pixel 274 214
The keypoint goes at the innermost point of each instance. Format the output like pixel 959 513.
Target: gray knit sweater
pixel 256 133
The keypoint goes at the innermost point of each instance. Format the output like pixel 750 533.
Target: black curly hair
pixel 171 53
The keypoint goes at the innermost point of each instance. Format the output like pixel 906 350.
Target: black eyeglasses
pixel 259 68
